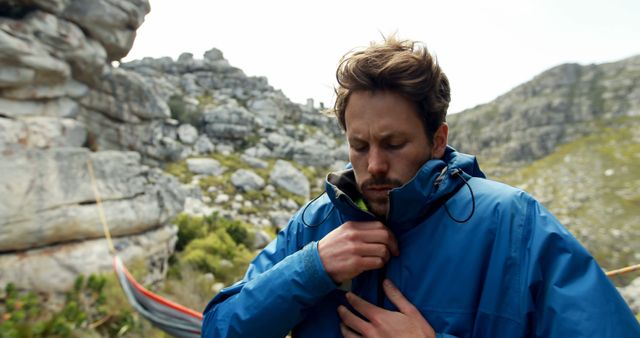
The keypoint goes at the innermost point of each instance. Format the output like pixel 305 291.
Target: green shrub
pixel 95 306
pixel 213 244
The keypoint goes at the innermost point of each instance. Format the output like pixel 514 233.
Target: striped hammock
pixel 170 317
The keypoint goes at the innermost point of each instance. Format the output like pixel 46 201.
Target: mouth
pixel 378 191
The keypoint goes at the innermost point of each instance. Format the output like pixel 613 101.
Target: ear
pixel 440 139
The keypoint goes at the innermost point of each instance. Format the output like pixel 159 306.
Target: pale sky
pixel 486 47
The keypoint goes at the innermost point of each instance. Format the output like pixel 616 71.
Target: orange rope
pixel 623 270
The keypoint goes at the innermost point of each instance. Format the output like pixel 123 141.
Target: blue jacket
pixel 477 258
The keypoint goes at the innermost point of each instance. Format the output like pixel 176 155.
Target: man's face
pixel 387 144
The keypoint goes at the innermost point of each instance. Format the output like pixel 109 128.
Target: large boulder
pixel 247 180
pixel 57 203
pixel 42 132
pixel 287 177
pixel 205 166
pixel 55 268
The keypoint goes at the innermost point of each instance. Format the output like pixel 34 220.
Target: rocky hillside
pixel 248 152
pixel 556 107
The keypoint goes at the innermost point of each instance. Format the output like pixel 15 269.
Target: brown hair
pixel 401 66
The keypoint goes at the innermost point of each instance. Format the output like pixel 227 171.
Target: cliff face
pixel 556 107
pixel 59 98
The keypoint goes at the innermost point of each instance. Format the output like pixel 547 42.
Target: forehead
pixel 382 112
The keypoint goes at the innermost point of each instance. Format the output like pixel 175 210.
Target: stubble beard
pixel 378 205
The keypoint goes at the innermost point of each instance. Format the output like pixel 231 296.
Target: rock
pixel 125 96
pixel 263 223
pixel 259 151
pixel 213 54
pixel 112 23
pixel 280 146
pixel 187 133
pixel 228 122
pixel 185 57
pixel 280 218
pixel 57 201
pixel 274 105
pixel 254 162
pixel 224 149
pixel 286 176
pixel 62 107
pixel 631 293
pixel 222 198
pixel 289 204
pixel 55 268
pixel 36 54
pixel 196 207
pixel 203 145
pixel 261 239
pixel 71 88
pixel 204 166
pixel 192 190
pixel 217 287
pixel 247 180
pixel 42 132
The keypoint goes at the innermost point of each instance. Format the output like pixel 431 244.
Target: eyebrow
pixel 384 137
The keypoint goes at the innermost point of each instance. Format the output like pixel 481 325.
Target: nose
pixel 378 163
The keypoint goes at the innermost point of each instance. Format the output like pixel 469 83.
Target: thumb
pixel 396 297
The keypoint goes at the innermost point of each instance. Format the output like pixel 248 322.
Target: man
pixel 413 241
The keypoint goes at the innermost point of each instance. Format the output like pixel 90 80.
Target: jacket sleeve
pixel 570 296
pixel 280 284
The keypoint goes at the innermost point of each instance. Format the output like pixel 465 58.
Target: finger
pixel 398 299
pixel 370 263
pixel 351 321
pixel 383 236
pixel 347 333
pixel 373 250
pixel 365 308
pixel 369 225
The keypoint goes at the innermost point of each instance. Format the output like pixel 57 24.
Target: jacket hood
pixel 433 184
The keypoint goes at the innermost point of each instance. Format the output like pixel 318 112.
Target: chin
pixel 381 212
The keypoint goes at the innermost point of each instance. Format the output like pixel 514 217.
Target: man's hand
pixel 355 247
pixel 384 323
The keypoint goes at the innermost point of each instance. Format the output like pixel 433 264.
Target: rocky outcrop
pixel 63 104
pixel 237 113
pixel 56 62
pixel 55 268
pixel 48 197
pixel 556 107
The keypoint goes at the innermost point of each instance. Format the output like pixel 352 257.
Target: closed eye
pixel 395 146
pixel 359 147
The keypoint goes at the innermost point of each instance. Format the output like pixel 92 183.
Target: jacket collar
pixel 413 202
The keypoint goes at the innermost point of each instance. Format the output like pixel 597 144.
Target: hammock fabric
pixel 170 317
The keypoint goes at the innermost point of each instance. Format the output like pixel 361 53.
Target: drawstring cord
pixel 459 172
pixel 305 210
